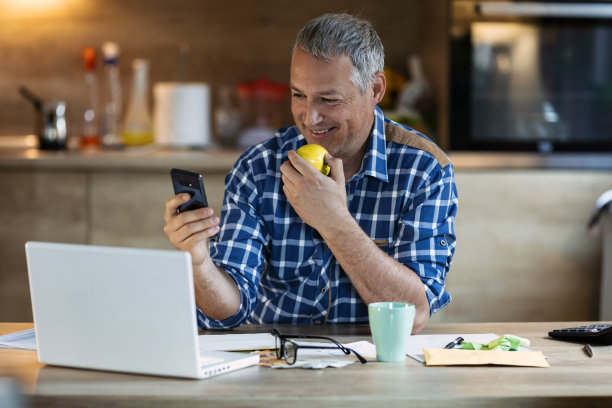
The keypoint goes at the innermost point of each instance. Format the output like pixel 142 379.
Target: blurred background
pixel 226 44
pixel 99 99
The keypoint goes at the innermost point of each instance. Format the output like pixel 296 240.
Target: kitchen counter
pixel 504 160
pixel 148 158
pixel 521 220
pixel 21 152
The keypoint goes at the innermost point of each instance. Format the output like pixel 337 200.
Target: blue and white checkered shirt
pixel 404 197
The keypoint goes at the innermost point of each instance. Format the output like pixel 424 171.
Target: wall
pixel 230 42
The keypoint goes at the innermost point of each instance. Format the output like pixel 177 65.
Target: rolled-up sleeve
pixel 425 239
pixel 239 247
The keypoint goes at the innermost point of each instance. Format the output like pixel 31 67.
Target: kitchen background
pixel 523 253
pixel 229 42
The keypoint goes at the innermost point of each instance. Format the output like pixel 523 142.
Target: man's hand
pixel 190 230
pixel 318 200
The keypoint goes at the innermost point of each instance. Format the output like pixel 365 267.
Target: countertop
pixel 145 158
pixel 23 154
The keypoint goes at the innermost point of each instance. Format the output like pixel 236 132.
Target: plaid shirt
pixel 404 197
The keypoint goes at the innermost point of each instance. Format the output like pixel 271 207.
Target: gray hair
pixel 333 35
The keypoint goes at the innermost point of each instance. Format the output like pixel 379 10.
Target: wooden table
pixel 573 379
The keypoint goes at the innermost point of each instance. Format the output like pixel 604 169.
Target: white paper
pixel 25 339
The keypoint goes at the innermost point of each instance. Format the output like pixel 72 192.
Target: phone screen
pixel 189 182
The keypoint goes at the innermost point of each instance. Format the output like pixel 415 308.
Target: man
pixel 295 246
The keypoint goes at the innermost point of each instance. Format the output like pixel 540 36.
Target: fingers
pixel 337 168
pixel 299 165
pixel 180 227
pixel 205 228
pixel 173 203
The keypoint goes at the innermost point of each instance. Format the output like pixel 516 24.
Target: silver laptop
pixel 120 309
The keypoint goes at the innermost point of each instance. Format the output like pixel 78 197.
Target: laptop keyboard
pixel 594 333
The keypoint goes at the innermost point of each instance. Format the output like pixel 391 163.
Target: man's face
pixel 328 108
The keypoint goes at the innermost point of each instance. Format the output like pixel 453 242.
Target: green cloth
pixel 505 343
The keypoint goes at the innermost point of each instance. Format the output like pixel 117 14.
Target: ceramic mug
pixel 391 326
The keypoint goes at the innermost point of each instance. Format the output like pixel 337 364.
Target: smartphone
pixel 185 181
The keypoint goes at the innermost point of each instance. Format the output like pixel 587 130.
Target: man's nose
pixel 313 115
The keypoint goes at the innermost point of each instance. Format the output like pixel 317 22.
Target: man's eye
pixel 297 95
pixel 329 100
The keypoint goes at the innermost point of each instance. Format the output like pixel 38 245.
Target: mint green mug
pixel 391 326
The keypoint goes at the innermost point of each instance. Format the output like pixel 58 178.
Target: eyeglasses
pixel 287 348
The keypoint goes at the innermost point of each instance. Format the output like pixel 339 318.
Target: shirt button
pixel 323 290
pixel 443 243
pixel 317 322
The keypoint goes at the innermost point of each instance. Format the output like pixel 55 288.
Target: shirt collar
pixel 375 159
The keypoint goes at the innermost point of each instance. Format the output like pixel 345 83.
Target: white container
pixel 182 114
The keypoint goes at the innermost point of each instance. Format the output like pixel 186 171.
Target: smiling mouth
pixel 321 132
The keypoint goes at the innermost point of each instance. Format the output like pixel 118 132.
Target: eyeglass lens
pixel 290 352
pixel 278 343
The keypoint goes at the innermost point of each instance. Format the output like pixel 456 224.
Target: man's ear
pixel 379 86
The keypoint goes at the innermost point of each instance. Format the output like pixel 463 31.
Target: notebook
pixel 120 309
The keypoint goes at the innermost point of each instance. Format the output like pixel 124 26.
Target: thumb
pixel 336 168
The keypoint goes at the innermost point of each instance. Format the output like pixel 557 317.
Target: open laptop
pixel 120 309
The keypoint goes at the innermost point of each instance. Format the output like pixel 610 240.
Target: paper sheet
pixel 25 339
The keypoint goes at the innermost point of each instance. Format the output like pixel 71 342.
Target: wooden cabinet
pixel 128 209
pixel 35 206
pixel 524 252
pixel 94 199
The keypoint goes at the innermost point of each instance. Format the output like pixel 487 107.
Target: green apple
pixel 315 155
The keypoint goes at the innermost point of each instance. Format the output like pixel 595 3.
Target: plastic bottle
pixel 137 127
pixel 90 138
pixel 111 102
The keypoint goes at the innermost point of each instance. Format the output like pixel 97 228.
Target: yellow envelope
pixel 435 356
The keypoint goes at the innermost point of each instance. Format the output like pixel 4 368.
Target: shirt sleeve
pixel 240 246
pixel 425 239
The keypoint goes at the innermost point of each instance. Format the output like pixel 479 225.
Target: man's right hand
pixel 190 230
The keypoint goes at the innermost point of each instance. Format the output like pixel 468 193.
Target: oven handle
pixel 564 10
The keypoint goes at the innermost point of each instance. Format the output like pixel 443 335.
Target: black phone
pixel 185 181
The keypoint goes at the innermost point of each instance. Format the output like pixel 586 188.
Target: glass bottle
pixel 137 127
pixel 227 118
pixel 90 138
pixel 111 136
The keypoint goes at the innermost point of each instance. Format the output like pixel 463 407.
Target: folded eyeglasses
pixel 287 349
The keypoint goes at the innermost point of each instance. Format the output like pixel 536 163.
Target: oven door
pixel 531 76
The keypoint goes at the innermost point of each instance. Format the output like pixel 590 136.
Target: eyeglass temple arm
pixel 361 359
pixel 298 336
pixel 345 350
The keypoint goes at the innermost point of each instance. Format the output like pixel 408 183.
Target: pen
pixel 454 343
pixel 588 350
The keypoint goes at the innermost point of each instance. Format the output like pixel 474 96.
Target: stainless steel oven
pixel 529 76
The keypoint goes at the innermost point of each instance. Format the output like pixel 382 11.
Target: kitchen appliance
pixel 51 126
pixel 529 76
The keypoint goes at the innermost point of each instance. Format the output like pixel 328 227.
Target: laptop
pixel 120 309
